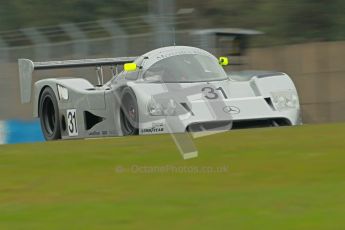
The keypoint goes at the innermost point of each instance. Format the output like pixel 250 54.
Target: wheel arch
pixel 39 88
pixel 49 113
pixel 273 83
pixel 39 98
pixel 120 93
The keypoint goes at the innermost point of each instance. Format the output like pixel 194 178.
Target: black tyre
pixel 129 116
pixel 49 115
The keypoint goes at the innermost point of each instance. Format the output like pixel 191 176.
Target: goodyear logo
pixel 156 128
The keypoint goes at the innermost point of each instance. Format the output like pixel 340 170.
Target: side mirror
pixel 223 61
pixel 129 67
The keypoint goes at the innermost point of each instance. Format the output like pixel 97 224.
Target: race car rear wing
pixel 27 67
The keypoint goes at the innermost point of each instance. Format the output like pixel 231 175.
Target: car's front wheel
pixel 49 115
pixel 129 115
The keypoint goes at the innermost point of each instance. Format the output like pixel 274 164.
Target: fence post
pixel 119 37
pixel 3 51
pixel 41 43
pixel 162 20
pixel 79 38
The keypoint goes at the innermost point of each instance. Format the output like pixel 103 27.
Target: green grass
pixel 286 178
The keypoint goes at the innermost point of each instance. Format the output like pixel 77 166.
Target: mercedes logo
pixel 231 110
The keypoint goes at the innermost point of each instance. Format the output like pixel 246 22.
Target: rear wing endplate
pixel 27 67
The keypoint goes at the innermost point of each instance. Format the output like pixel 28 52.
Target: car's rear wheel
pixel 129 116
pixel 49 115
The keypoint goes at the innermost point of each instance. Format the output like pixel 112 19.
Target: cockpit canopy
pixel 185 68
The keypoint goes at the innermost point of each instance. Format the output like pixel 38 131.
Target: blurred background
pixel 304 38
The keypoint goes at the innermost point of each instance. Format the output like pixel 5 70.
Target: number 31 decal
pixel 211 94
pixel 72 122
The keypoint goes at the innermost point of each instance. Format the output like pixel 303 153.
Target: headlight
pixel 285 100
pixel 63 92
pixel 161 109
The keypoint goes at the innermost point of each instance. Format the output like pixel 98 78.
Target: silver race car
pixel 168 90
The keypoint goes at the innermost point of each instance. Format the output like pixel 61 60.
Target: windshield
pixel 185 68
